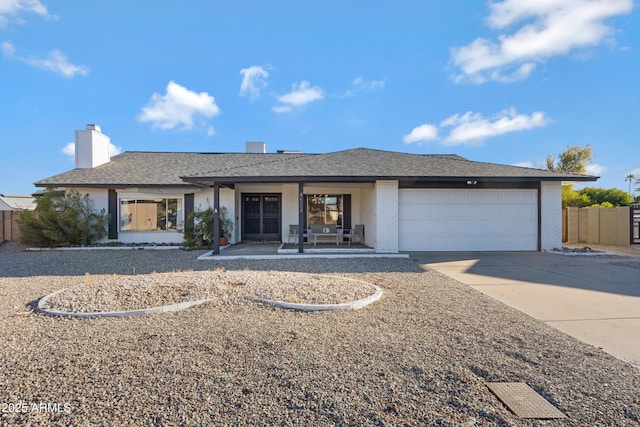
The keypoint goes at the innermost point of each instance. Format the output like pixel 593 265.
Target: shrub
pixel 200 235
pixel 61 219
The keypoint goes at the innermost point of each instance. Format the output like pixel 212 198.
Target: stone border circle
pixel 351 305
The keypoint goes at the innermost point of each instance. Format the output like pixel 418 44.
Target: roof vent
pixel 256 147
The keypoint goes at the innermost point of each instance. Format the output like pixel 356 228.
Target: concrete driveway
pixel 593 298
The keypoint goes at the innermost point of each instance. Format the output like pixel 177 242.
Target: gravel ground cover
pixel 627 256
pixel 418 356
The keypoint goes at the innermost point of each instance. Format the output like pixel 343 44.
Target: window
pixel 324 209
pixel 151 214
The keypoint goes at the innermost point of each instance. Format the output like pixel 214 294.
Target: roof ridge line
pixel 275 160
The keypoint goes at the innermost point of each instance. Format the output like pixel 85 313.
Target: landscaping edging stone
pixel 151 310
pixel 351 305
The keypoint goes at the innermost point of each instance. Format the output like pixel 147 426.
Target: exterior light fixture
pixel 472 182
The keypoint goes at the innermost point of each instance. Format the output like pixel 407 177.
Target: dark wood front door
pixel 261 217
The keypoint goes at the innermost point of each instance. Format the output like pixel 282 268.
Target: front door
pixel 261 217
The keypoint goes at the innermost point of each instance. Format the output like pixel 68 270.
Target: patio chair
pixel 293 233
pixel 356 233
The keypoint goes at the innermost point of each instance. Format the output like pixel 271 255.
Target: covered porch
pixel 266 212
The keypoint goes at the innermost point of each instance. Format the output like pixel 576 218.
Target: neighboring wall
pixel 595 225
pixel 9 229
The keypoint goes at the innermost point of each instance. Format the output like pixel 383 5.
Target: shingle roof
pixel 360 164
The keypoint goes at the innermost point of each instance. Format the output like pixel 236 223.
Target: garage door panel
pixel 458 220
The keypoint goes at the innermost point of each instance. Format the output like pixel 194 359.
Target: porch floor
pixel 327 246
pixel 276 250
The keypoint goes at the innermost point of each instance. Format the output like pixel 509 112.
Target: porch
pixel 267 212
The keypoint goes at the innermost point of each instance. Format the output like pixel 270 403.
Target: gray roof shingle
pixel 360 164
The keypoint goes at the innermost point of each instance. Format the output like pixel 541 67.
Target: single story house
pixel 406 202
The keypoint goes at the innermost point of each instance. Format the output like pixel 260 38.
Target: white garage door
pixel 468 220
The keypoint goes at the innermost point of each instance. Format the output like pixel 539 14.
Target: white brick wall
pixel 368 216
pixel 386 217
pixel 551 223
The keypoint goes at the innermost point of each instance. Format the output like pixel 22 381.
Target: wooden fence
pixel 605 226
pixel 9 229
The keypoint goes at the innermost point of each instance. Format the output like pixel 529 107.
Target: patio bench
pixel 324 231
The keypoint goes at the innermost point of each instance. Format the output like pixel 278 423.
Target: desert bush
pixel 63 219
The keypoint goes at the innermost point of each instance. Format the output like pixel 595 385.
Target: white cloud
pixel 70 149
pixel 281 109
pixel 178 107
pixel 253 81
pixel 549 28
pixel 470 127
pixel 8 49
pixel 421 133
pixel 55 61
pixel 301 94
pixel 10 9
pixel 368 86
pixel 595 169
pixel 360 85
pixel 526 164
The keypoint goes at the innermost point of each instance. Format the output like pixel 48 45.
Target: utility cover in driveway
pixel 523 401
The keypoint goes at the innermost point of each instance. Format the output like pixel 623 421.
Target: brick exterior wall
pixel 551 213
pixel 387 216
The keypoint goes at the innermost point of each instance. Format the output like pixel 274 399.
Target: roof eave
pixel 206 180
pixel 113 185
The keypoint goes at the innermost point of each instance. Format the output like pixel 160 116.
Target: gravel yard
pixel 418 356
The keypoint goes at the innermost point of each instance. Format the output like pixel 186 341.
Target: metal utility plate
pixel 523 401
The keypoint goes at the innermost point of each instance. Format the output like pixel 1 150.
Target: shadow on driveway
pixel 595 273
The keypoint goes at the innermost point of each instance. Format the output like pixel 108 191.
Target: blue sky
pixel 500 81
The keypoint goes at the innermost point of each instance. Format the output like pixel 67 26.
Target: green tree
pixel 63 219
pixel 573 160
pixel 629 178
pixel 572 198
pixel 614 196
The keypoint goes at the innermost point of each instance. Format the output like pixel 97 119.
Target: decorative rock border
pixel 107 248
pixel 352 305
pixel 139 312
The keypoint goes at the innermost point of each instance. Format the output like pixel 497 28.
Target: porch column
pixel 300 217
pixel 386 230
pixel 216 218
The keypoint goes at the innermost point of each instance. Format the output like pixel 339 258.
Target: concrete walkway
pixel 587 297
